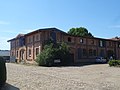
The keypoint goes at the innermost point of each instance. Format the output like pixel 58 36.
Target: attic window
pixel 69 39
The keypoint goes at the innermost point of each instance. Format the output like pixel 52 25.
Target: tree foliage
pixel 80 32
pixel 53 51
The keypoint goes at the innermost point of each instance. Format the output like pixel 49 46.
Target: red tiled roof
pixel 115 38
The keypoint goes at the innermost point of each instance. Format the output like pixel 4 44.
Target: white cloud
pixel 4 23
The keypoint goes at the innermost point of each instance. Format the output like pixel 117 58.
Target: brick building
pixel 83 49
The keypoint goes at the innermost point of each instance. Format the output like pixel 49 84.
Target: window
pixel 69 39
pixel 12 44
pixel 37 37
pixel 53 36
pixel 102 53
pixel 30 40
pixel 12 53
pixel 16 43
pixel 118 44
pixel 94 52
pixel 79 53
pixel 90 52
pixel 101 43
pixel 29 52
pixel 84 52
pixel 110 43
pixel 17 53
pixel 92 41
pixel 81 40
pixel 37 51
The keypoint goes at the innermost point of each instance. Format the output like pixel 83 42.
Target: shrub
pixel 64 54
pixel 47 56
pixel 114 63
pixel 2 72
pixel 52 52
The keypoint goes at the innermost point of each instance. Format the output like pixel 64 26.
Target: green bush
pixel 114 63
pixel 52 52
pixel 2 72
pixel 46 56
pixel 64 54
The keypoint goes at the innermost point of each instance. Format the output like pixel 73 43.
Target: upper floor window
pixel 37 37
pixel 110 43
pixel 92 41
pixel 30 39
pixel 13 44
pixel 69 39
pixel 84 52
pixel 81 40
pixel 53 36
pixel 17 43
pixel 102 43
pixel 22 41
pixel 119 45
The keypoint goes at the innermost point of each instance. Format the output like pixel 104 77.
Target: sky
pixel 100 17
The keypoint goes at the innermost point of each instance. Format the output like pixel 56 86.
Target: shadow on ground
pixel 9 87
pixel 78 64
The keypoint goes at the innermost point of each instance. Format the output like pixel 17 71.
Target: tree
pixel 80 32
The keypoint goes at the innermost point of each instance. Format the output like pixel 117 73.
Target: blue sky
pixel 100 17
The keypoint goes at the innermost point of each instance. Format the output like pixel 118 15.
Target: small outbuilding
pixel 5 54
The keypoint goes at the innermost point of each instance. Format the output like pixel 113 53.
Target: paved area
pixel 89 77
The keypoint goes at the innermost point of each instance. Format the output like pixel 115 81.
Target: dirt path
pixel 91 77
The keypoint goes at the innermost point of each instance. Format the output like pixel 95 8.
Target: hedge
pixel 115 63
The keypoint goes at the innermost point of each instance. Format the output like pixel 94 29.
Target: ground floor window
pixel 37 51
pixel 17 53
pixel 79 53
pixel 84 52
pixel 102 53
pixel 29 53
pixel 92 52
pixel 12 53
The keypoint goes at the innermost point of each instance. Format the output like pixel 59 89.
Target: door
pixel 22 54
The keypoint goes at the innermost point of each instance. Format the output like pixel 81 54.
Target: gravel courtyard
pixel 89 77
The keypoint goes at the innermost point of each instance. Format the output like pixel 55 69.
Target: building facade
pixel 83 49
